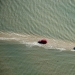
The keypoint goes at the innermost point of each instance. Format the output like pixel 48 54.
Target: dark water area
pixel 19 59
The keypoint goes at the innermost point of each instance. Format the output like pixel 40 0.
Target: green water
pixel 51 18
pixel 23 23
pixel 17 59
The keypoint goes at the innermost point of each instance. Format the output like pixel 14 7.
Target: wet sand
pixel 33 39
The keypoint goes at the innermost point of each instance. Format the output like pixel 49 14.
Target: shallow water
pixel 19 59
pixel 23 23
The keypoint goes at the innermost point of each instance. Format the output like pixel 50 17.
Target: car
pixel 43 41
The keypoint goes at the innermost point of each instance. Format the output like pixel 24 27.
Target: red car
pixel 43 41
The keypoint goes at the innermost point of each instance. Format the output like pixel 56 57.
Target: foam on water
pixel 72 50
pixel 31 44
pixel 31 40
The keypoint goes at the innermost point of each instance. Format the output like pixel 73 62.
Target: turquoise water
pixel 23 23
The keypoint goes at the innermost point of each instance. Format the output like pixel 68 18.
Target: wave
pixel 32 40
